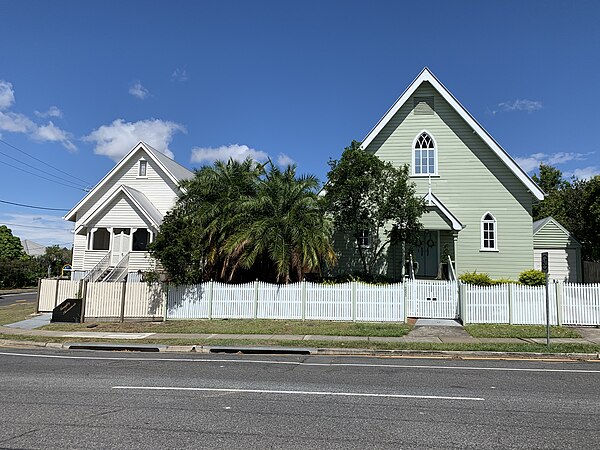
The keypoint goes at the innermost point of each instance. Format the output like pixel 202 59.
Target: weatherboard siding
pixel 121 213
pixel 471 181
pixel 551 236
pixel 156 186
pixel 562 264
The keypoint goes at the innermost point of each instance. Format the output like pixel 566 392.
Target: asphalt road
pixel 104 400
pixel 10 299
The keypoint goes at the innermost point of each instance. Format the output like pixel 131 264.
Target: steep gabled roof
pixel 539 224
pixel 175 171
pixel 427 76
pixel 145 206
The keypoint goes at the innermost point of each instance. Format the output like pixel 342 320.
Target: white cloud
pixel 43 229
pixel 52 133
pixel 532 162
pixel 519 105
pixel 180 75
pixel 19 123
pixel 53 111
pixel 116 139
pixel 585 173
pixel 16 123
pixel 285 160
pixel 139 91
pixel 7 94
pixel 225 152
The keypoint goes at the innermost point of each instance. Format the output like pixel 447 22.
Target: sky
pixel 294 81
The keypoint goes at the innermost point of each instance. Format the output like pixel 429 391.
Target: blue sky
pixel 82 82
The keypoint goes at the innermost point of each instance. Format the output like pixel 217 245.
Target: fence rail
pixel 570 304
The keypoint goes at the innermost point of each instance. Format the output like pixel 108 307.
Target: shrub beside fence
pixel 570 304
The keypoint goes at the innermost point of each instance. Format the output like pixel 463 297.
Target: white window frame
pixel 140 168
pixel 494 223
pixel 435 156
pixel 363 239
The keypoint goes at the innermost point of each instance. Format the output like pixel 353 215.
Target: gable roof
pixel 32 248
pixel 433 200
pixel 540 224
pixel 175 171
pixel 146 207
pixel 427 76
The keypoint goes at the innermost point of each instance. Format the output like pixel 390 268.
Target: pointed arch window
pixel 489 232
pixel 424 155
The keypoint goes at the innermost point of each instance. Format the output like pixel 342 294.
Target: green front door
pixel 427 254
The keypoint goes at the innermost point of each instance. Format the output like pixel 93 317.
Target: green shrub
pixel 503 281
pixel 478 279
pixel 532 277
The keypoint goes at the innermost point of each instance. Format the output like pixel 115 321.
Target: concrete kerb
pixel 205 349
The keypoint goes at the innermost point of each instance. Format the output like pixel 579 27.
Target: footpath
pixel 425 331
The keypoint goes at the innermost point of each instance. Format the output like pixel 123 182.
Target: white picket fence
pixel 570 304
pixel 258 300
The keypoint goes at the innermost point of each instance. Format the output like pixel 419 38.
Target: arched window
pixel 141 239
pixel 489 232
pixel 424 155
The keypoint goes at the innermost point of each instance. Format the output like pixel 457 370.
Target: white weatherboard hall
pixel 119 217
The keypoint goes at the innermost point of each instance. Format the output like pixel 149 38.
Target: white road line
pixel 269 391
pixel 296 363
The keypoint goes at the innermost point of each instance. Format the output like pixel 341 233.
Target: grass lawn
pixel 529 348
pixel 242 326
pixel 15 313
pixel 495 330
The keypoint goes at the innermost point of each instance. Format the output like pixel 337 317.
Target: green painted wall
pixel 551 236
pixel 471 181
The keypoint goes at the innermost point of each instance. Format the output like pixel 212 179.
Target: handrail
pixel 98 269
pixel 120 269
pixel 451 271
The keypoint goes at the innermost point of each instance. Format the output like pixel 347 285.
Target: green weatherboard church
pixel 479 201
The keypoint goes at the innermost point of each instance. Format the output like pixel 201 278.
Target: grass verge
pixel 525 347
pixel 15 313
pixel 496 330
pixel 239 326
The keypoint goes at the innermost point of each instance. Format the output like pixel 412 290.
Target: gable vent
pixel 423 105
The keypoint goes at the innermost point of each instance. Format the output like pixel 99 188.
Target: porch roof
pixel 432 200
pixel 141 202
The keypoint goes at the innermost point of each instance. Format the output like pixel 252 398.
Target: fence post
pixel 303 298
pixel 510 303
pixel 165 292
pixel 559 287
pixel 256 299
pixel 56 294
pixel 405 299
pixel 353 295
pixel 123 291
pixel 210 298
pixel 462 300
pixel 83 298
pixel 37 298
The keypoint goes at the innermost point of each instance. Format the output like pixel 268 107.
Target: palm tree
pixel 285 227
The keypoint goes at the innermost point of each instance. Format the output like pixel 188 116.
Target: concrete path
pixel 33 323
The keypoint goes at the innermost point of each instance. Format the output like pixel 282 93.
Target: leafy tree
pixel 54 258
pixel 575 204
pixel 366 194
pixel 10 246
pixel 237 221
pixel 18 272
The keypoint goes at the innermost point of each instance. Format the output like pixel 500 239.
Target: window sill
pixel 142 178
pixel 493 250
pixel 424 175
